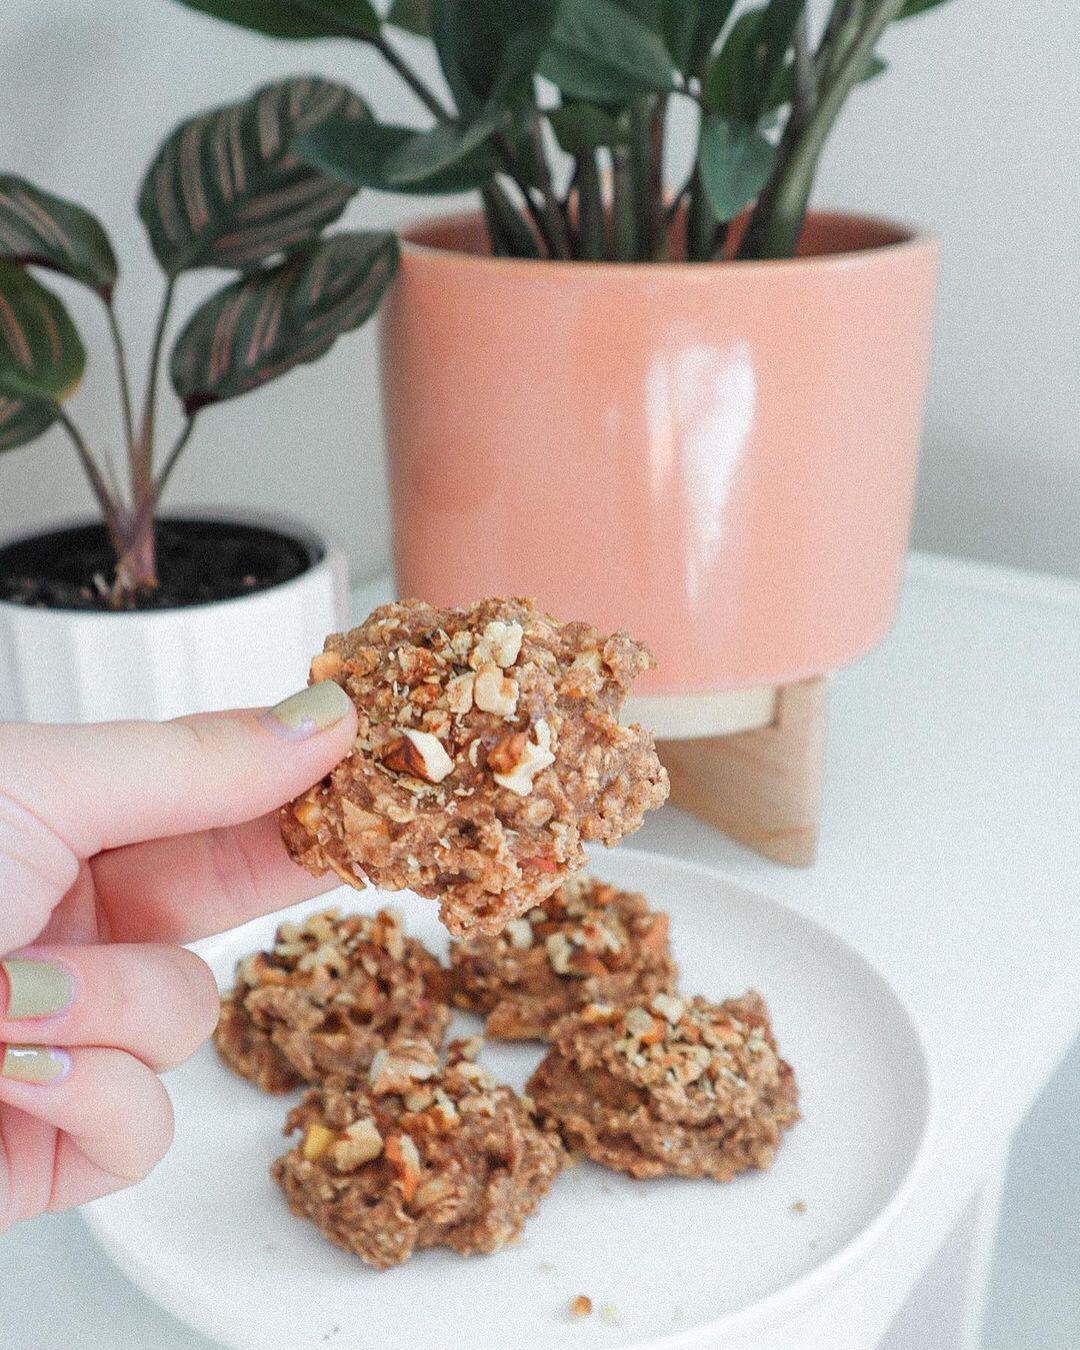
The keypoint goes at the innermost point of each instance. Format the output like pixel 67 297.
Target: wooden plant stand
pixel 760 783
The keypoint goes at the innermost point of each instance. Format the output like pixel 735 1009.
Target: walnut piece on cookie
pixel 585 943
pixel 670 1088
pixel 417 1156
pixel 326 998
pixel 488 751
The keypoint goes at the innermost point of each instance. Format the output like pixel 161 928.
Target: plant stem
pixel 170 462
pixel 659 241
pixel 641 174
pixel 136 563
pixel 509 164
pixel 836 35
pixel 123 382
pixel 510 236
pixel 777 220
pixel 623 220
pixel 804 85
pixel 393 57
pixel 592 226
pixel 700 221
pixel 111 509
pixel 551 208
pixel 143 461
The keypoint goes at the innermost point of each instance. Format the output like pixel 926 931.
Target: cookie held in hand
pixel 488 751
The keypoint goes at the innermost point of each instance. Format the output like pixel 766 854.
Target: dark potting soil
pixel 198 561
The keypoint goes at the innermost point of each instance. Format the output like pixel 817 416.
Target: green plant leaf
pixel 601 53
pixel 645 11
pixel 728 86
pixel 582 127
pixel 746 73
pixel 489 49
pixel 783 86
pixel 36 227
pixel 414 16
pixel 276 318
pixel 438 153
pixel 41 356
pixel 295 18
pixel 226 188
pixel 735 162
pixel 359 153
pixel 914 7
pixel 691 30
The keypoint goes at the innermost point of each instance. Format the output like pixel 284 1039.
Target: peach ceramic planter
pixel 719 457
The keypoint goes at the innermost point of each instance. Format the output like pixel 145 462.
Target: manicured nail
pixel 35 1063
pixel 36 988
pixel 311 710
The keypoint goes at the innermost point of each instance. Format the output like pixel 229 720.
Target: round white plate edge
pixel 775 1307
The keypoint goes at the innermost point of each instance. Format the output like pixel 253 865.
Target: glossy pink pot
pixel 719 457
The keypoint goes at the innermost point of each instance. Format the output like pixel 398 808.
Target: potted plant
pixel 139 613
pixel 695 409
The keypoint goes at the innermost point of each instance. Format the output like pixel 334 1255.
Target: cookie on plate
pixel 489 749
pixel 417 1156
pixel 585 943
pixel 326 997
pixel 676 1088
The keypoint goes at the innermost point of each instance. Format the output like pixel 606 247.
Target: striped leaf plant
pixel 226 191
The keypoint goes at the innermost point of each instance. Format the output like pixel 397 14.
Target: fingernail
pixel 311 710
pixel 36 988
pixel 35 1063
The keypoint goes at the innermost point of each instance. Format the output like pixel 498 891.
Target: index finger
pixel 103 786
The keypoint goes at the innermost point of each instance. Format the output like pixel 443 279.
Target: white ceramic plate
pixel 680 1262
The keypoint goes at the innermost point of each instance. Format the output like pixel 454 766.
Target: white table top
pixel 950 856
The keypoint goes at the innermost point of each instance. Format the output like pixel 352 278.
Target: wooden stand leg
pixel 761 787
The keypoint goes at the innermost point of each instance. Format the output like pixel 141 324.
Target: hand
pixel 117 843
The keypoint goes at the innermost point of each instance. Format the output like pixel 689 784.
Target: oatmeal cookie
pixel 327 997
pixel 675 1088
pixel 488 750
pixel 585 943
pixel 417 1157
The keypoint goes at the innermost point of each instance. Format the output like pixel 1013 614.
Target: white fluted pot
pixel 87 666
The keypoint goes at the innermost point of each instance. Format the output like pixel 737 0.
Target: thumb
pixel 106 785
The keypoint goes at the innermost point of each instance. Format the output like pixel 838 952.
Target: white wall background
pixel 974 131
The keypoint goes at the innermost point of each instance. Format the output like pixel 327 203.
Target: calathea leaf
pixel 601 53
pixel 735 162
pixel 226 188
pixel 276 318
pixel 295 18
pixel 41 357
pixel 363 153
pixel 36 227
pixel 414 16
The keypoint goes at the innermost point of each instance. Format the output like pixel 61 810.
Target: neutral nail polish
pixel 35 1063
pixel 36 988
pixel 311 710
